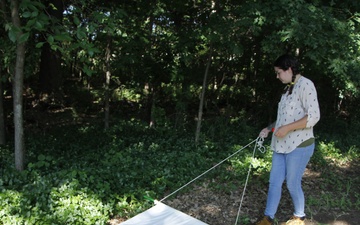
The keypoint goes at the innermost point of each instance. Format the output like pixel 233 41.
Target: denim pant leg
pixel 277 177
pixel 290 166
pixel 296 162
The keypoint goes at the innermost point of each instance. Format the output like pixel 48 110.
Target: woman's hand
pixel 264 132
pixel 281 131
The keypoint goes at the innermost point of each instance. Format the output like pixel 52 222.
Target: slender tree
pixel 18 80
pixel 202 99
pixel 2 113
pixel 107 81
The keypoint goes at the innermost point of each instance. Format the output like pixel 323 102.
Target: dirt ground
pixel 221 208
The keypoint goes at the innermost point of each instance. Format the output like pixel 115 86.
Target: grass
pixel 81 174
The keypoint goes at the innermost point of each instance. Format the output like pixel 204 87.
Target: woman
pixel 292 141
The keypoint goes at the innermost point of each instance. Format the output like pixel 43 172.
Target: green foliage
pixel 152 45
pixel 335 152
pixel 75 178
pixel 85 175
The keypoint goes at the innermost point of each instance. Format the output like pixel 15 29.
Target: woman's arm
pixel 283 130
pixel 265 132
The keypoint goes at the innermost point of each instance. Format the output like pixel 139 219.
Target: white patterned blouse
pixel 303 101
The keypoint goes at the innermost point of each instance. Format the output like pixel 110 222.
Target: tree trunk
pixel 107 83
pixel 18 81
pixel 202 97
pixel 2 114
pixel 150 104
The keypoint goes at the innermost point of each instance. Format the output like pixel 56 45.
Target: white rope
pixel 258 145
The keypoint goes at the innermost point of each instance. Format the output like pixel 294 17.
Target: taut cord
pixel 259 145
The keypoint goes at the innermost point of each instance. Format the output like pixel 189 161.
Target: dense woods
pixel 154 54
pixel 176 64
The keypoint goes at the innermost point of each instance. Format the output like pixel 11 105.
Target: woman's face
pixel 284 76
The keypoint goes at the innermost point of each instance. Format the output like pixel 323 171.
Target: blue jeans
pixel 291 167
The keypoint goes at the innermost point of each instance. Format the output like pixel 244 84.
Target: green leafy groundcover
pixel 84 175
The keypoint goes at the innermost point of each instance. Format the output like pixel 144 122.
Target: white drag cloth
pixel 161 214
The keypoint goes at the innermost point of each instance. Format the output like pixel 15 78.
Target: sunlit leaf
pixel 39 44
pixel 50 39
pixel 77 21
pixel 12 35
pixel 39 25
pixel 26 14
pixel 62 37
pixel 24 37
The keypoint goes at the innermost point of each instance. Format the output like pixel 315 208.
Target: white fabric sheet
pixel 161 214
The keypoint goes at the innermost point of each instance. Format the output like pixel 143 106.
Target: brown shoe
pixel 294 220
pixel 265 221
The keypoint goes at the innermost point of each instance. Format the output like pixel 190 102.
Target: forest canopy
pixel 148 59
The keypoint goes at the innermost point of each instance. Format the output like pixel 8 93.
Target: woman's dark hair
pixel 285 62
